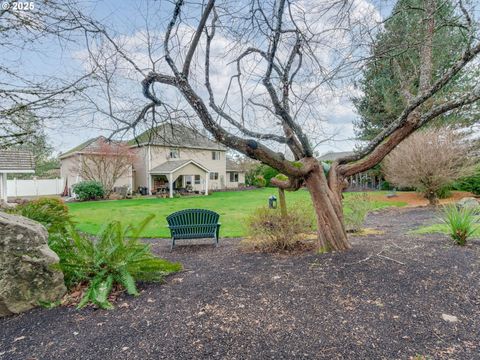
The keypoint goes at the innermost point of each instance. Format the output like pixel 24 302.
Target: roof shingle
pixel 332 156
pixel 233 166
pixel 19 160
pixel 178 136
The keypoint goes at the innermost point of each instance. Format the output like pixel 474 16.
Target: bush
pixel 50 212
pixel 444 192
pixel 117 257
pixel 385 186
pixel 262 171
pixel 268 173
pixel 270 232
pixel 470 183
pixel 430 161
pixel 461 222
pixel 259 181
pixel 357 207
pixel 88 190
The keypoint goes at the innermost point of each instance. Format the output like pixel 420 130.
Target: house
pixel 14 162
pixel 168 158
pixel 72 161
pixel 332 156
pixel 235 174
pixel 368 180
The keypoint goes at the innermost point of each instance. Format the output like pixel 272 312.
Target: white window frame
pixel 214 176
pixel 216 155
pixel 174 153
pixel 235 177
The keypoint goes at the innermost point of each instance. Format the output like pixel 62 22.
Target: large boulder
pixel 468 203
pixel 27 277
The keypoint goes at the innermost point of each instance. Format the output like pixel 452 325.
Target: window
pixel 214 176
pixel 233 177
pixel 197 179
pixel 215 155
pixel 174 153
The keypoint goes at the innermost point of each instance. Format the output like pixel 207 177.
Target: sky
pixel 127 19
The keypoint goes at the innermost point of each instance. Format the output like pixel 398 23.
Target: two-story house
pixel 169 158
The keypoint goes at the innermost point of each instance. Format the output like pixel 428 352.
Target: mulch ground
pixel 414 199
pixel 384 299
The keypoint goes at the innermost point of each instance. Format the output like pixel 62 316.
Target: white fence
pixel 35 187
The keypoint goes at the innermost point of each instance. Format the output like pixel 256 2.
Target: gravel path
pixel 382 300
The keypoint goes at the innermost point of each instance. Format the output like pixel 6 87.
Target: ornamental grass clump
pixel 270 231
pixel 356 210
pixel 116 257
pixel 461 222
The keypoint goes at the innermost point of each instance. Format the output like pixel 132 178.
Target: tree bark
pixel 328 209
pixel 432 198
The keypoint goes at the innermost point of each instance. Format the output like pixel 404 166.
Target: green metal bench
pixel 194 224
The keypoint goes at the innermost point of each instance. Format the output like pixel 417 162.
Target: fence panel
pixel 34 187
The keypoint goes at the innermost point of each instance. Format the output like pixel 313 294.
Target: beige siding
pixel 161 154
pixel 69 170
pixel 241 180
pixel 147 159
pixel 125 180
pixel 140 168
pixel 192 169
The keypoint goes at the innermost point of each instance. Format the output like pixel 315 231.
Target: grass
pixel 233 208
pixel 438 229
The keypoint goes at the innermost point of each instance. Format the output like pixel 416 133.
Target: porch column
pixel 170 184
pixel 3 193
pixel 149 183
pixel 207 175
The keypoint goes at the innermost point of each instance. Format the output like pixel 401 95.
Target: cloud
pixel 327 112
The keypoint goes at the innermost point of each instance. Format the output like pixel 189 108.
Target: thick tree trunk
pixel 328 208
pixel 432 197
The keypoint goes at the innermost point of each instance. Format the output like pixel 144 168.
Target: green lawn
pixel 233 208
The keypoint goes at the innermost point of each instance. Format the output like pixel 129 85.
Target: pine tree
pixel 392 77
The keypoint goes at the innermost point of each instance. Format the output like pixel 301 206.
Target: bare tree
pixel 28 97
pixel 106 163
pixel 429 160
pixel 285 57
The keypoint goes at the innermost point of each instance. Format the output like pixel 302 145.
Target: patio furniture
pixel 194 224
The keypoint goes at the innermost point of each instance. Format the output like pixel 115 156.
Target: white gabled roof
pixel 170 167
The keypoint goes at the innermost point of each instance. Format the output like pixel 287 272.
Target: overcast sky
pixel 127 18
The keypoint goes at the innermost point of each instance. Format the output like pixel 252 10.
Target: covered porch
pixel 178 176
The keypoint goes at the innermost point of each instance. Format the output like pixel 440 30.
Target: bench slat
pixel 194 224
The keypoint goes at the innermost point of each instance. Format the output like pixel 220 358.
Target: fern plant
pixel 115 257
pixel 461 222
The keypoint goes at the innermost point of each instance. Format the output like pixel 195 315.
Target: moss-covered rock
pixel 27 277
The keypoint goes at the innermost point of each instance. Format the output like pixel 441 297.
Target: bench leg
pixel 215 241
pixel 173 244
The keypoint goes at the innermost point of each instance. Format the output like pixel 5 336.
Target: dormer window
pixel 215 155
pixel 174 154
